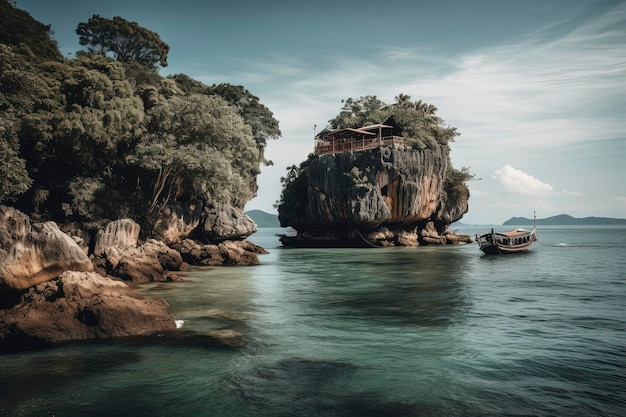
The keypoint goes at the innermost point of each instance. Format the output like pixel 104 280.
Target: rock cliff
pixel 213 222
pixel 381 197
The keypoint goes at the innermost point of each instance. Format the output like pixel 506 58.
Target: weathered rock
pixel 78 306
pixel 152 261
pixel 120 234
pixel 81 236
pixel 238 252
pixel 177 222
pixel 371 193
pixel 225 222
pixel 195 253
pixel 34 253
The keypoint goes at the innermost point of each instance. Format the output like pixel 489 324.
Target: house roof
pixel 348 132
pixel 376 126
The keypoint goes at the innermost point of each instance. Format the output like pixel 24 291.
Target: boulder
pixel 81 236
pixel 225 222
pixel 120 234
pixel 177 221
pixel 230 252
pixel 31 254
pixel 79 306
pixel 240 252
pixel 152 261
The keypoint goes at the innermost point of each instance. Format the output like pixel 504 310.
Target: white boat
pixel 512 241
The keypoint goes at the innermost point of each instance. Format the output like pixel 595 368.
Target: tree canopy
pixel 256 115
pixel 103 136
pixel 127 41
pixel 418 120
pixel 26 35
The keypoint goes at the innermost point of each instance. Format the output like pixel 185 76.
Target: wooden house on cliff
pixel 364 138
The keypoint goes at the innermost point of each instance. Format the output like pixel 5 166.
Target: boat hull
pixel 501 243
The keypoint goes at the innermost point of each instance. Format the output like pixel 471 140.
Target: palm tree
pixel 403 99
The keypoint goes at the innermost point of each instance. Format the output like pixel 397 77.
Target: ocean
pixel 427 331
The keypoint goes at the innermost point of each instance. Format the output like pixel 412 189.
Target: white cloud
pixel 517 181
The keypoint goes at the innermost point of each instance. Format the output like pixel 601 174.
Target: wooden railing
pixel 356 145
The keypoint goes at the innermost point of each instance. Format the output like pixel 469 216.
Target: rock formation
pixel 120 234
pixel 214 222
pixel 225 253
pixel 79 306
pixel 48 292
pixel 34 253
pixel 381 197
pixel 116 253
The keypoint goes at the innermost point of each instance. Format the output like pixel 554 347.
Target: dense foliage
pixel 418 120
pixel 94 138
pixel 29 37
pixel 127 41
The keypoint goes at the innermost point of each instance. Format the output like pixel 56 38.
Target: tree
pixel 355 112
pixel 260 119
pixel 197 146
pixel 127 41
pixel 14 179
pixel 403 99
pixel 26 35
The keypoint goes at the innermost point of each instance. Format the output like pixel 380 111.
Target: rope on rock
pixel 365 240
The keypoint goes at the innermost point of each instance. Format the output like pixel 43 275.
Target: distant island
pixel 263 219
pixel 565 220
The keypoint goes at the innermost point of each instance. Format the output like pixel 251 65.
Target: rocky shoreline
pixel 54 288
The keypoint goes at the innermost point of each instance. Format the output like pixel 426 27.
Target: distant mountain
pixel 263 219
pixel 565 220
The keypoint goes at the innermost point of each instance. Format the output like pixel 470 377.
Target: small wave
pixel 179 323
pixel 562 244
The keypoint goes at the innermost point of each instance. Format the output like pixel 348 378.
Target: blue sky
pixel 537 89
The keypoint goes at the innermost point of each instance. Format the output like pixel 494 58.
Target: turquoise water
pixel 429 331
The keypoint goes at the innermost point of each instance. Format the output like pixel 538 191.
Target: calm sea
pixel 429 331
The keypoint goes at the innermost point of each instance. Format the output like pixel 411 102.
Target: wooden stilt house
pixel 364 138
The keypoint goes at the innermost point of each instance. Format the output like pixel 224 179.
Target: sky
pixel 536 88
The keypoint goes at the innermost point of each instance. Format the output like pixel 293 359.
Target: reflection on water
pixel 420 288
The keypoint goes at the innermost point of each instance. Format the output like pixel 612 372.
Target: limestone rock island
pixel 383 184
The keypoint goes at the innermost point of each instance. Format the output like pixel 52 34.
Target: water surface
pixel 428 331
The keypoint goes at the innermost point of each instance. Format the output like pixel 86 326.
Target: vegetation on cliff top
pixel 104 136
pixel 420 125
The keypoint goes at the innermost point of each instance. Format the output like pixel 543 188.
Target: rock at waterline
pixel 80 306
pixel 116 253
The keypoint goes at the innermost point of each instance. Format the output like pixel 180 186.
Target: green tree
pixel 127 41
pixel 260 119
pixel 14 179
pixel 26 35
pixel 356 112
pixel 198 147
pixel 20 91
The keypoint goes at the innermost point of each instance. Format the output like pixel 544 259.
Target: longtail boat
pixel 513 241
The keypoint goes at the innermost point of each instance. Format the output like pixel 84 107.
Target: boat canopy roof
pixel 514 233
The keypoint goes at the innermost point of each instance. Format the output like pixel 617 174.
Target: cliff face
pixel 352 197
